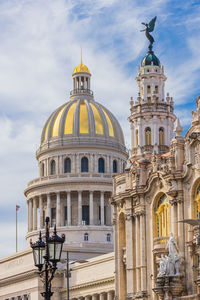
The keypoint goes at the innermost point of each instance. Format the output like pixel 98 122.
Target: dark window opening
pixel 101 165
pixel 67 165
pixel 84 164
pixel 114 166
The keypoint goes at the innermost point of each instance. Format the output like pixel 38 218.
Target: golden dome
pixel 82 119
pixel 81 67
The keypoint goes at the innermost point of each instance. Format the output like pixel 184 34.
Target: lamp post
pixel 46 255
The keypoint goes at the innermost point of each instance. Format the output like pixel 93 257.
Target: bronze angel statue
pixel 150 28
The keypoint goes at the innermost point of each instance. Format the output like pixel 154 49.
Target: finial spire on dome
pixel 81 68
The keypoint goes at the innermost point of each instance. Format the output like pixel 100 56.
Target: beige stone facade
pixel 159 189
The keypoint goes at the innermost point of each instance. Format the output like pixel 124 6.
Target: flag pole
pixel 16 229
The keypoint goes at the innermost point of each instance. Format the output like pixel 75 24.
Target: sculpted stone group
pixel 170 264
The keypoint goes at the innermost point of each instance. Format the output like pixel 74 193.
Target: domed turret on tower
pixel 150 59
pixel 82 145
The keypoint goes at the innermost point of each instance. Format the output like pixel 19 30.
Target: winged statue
pixel 150 28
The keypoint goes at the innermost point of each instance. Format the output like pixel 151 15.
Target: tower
pixel 82 145
pixel 152 117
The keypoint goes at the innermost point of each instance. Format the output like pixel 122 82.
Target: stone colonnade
pixel 36 212
pixel 131 280
pixel 102 296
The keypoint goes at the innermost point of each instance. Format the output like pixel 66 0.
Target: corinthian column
pixel 137 252
pixel 110 295
pixel 41 211
pixel 143 253
pixel 69 217
pixel 79 208
pixel 34 213
pixel 91 208
pixel 180 226
pixel 102 208
pixel 129 254
pixel 58 215
pixel 49 206
pixel 30 221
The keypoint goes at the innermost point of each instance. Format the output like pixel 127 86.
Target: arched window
pixel 101 165
pixel 84 164
pixel 53 167
pixel 136 138
pixel 148 89
pixel 114 166
pixel 156 89
pixel 108 237
pixel 86 237
pixel 161 136
pixel 67 165
pixel 162 217
pixel 42 169
pixel 197 203
pixel 148 136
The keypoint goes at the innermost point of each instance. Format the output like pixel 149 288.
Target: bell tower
pixel 152 118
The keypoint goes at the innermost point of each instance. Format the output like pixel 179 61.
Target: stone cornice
pixel 19 277
pixel 51 183
pixel 93 263
pixel 88 147
pixel 16 255
pixel 91 284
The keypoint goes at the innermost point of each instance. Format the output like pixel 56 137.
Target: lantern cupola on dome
pixel 81 80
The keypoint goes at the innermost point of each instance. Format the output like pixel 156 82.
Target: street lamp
pixel 46 256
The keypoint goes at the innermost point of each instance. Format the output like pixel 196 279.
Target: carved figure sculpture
pixel 150 28
pixel 162 267
pixel 172 246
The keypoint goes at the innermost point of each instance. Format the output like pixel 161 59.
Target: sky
pixel 40 46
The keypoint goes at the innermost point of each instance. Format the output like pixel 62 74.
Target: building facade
pixel 156 255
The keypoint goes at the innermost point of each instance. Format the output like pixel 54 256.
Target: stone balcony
pixel 159 244
pixel 71 177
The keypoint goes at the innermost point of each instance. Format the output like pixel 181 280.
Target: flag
pixel 17 207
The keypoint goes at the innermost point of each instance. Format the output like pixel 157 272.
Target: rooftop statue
pixel 150 28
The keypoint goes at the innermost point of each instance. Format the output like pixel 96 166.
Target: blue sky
pixel 40 46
